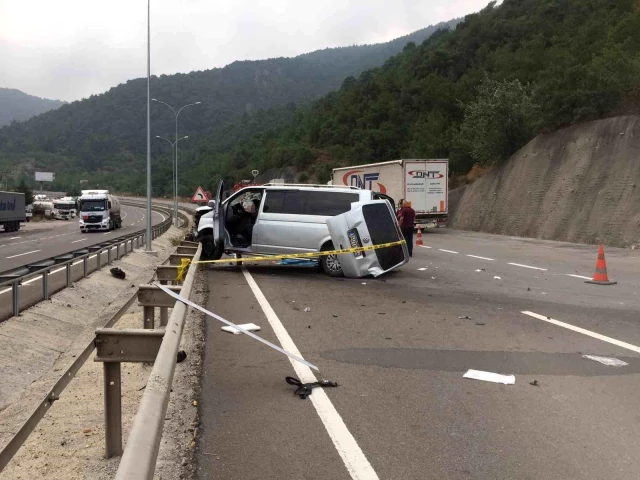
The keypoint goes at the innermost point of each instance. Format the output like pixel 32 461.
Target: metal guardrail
pixel 12 447
pixel 73 258
pixel 139 458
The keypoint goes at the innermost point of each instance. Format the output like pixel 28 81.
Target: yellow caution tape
pixel 185 262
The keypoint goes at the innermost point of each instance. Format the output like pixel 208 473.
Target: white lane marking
pixel 353 457
pixel 423 246
pixel 81 240
pixel 50 273
pixel 106 233
pixel 448 251
pixel 14 238
pixel 422 269
pixel 578 276
pixel 527 266
pixel 584 331
pixel 124 215
pixel 25 253
pixel 481 258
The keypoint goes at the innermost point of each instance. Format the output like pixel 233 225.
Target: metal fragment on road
pixel 249 327
pixel 608 361
pixel 490 377
pixel 497 278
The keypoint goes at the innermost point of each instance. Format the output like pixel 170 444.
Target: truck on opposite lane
pixel 12 211
pixel 99 210
pixel 424 183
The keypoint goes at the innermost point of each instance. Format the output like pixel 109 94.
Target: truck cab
pixel 99 211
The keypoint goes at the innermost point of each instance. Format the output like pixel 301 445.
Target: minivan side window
pixel 329 204
pixel 299 202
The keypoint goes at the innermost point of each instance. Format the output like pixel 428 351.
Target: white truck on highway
pixel 64 208
pixel 99 210
pixel 424 183
pixel 12 211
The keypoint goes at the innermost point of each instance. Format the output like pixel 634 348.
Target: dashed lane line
pixel 13 238
pixel 578 276
pixel 423 246
pixel 21 254
pixel 448 251
pixel 81 240
pixel 584 331
pixel 527 266
pixel 352 455
pixel 481 258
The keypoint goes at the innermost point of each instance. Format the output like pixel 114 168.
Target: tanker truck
pixel 99 210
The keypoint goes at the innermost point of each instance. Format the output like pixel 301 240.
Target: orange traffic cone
pixel 600 276
pixel 419 237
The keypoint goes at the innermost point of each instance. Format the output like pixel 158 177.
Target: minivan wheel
pixel 330 263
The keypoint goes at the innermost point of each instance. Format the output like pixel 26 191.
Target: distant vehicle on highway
pixel 12 211
pixel 64 208
pixel 99 210
pixel 278 219
pixel 424 183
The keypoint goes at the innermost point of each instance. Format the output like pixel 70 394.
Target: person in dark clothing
pixel 406 219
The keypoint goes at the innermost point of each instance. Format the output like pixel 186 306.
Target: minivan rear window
pixel 301 202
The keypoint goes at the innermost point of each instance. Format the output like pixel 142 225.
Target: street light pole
pixel 148 236
pixel 175 198
pixel 173 145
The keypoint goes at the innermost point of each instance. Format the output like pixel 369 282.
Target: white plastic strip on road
pixel 481 258
pixel 448 251
pixel 527 266
pixel 578 276
pixel 352 455
pixel 25 253
pixel 584 331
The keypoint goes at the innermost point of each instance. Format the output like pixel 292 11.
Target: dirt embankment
pixel 580 184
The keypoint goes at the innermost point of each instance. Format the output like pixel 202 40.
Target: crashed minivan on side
pixel 278 219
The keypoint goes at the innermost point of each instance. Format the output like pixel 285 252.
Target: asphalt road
pixel 41 240
pixel 398 348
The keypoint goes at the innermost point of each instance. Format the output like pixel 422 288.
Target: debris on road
pixel 480 269
pixel 422 269
pixel 480 324
pixel 298 261
pixel 465 318
pixel 305 389
pixel 497 278
pixel 608 361
pixel 307 309
pixel 535 383
pixel 116 272
pixel 250 327
pixel 490 377
pixel 181 356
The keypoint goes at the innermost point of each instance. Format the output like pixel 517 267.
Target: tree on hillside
pixel 73 191
pixel 501 119
pixel 28 193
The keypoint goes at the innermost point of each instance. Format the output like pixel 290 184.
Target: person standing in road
pixel 406 219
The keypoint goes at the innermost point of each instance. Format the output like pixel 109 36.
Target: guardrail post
pixel 84 266
pixel 148 313
pixel 118 251
pixel 109 255
pixel 98 259
pixel 164 311
pixel 45 284
pixel 112 409
pixel 68 272
pixel 14 291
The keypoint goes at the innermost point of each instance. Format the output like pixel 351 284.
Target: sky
pixel 71 49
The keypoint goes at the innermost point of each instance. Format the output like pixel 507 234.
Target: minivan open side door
pixel 218 216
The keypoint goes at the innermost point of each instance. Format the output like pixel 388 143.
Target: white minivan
pixel 278 219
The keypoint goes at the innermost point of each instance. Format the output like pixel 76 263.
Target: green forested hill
pixel 18 106
pixel 474 94
pixel 107 133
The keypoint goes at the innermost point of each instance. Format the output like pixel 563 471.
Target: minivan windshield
pixel 92 205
